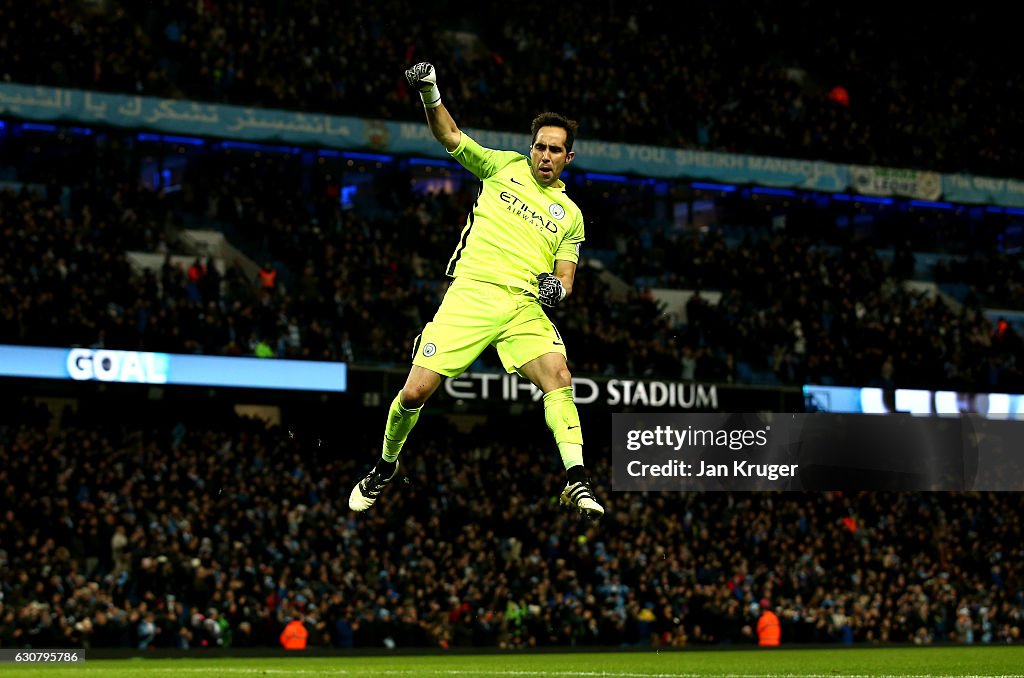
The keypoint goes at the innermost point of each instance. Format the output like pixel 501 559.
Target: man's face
pixel 548 156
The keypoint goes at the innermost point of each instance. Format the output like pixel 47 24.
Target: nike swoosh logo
pixel 514 181
pixel 557 343
pixel 572 427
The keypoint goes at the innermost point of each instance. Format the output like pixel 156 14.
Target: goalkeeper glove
pixel 422 78
pixel 550 289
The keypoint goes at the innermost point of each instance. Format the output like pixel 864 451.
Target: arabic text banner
pixel 172 116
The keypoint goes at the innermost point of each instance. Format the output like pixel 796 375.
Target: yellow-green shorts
pixel 474 315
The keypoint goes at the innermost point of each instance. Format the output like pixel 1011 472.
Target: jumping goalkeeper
pixel 518 250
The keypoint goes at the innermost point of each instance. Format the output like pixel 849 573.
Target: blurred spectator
pixel 294 635
pixel 268 277
pixel 768 629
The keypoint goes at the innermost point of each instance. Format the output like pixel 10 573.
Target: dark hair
pixel 550 119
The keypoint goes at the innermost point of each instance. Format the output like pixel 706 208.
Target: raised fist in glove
pixel 423 79
pixel 550 290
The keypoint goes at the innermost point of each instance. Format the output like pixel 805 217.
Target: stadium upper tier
pixel 806 80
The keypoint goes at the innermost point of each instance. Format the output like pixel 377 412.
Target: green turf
pixel 823 663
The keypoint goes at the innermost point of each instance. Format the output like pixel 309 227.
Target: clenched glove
pixel 550 290
pixel 423 79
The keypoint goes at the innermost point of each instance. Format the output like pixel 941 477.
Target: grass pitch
pixel 812 663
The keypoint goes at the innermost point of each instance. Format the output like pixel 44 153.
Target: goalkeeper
pixel 518 250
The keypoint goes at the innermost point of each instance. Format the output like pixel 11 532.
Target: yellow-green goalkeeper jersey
pixel 517 228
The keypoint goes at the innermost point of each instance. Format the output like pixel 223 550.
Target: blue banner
pixel 173 116
pixel 664 162
pixel 140 367
pixel 983 190
pixel 855 400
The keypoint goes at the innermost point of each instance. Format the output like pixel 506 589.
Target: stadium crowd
pixel 805 80
pixel 192 536
pixel 187 534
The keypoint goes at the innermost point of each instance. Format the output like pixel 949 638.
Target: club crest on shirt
pixel 556 210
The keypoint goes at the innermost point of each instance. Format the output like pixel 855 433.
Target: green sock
pixel 401 419
pixel 563 419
